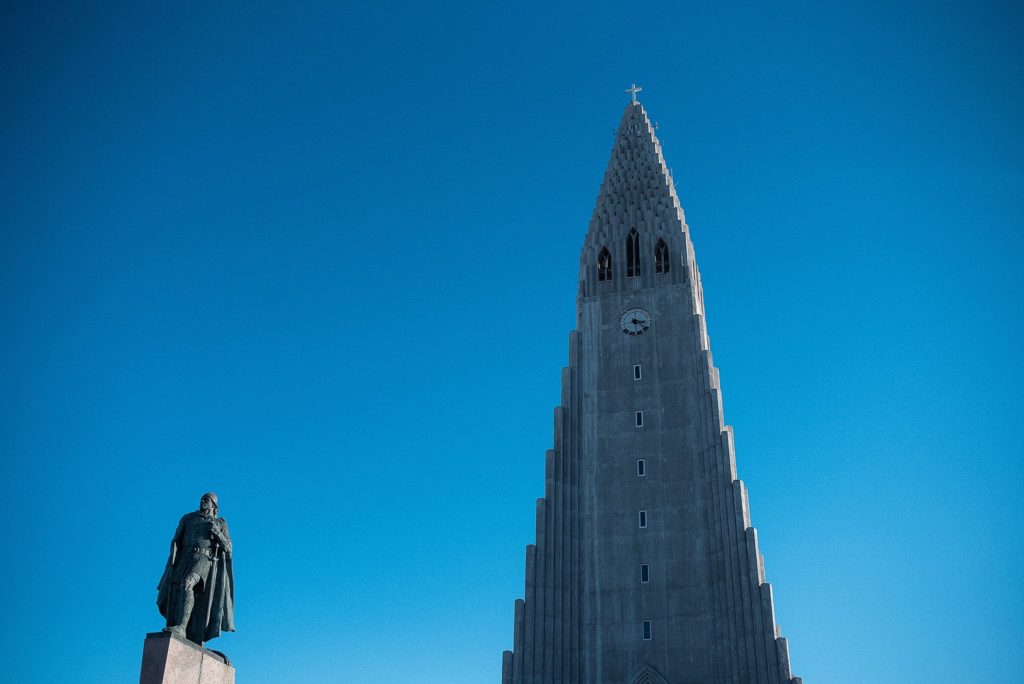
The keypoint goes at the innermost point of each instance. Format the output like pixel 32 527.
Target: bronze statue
pixel 196 592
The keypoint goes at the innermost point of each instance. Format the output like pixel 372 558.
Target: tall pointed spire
pixel 646 568
pixel 636 172
pixel 637 193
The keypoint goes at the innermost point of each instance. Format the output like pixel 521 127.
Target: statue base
pixel 169 659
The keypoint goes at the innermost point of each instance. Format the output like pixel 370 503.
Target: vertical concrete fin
pixel 540 590
pixel 691 277
pixel 768 603
pixel 699 333
pixel 549 479
pixel 782 652
pixel 735 654
pixel 698 293
pixel 539 530
pixel 550 549
pixel 709 366
pixel 557 552
pixel 517 642
pixel 558 427
pixel 743 583
pixel 725 637
pixel 716 557
pixel 561 574
pixel 760 645
pixel 729 440
pixel 772 651
pixel 744 503
pixel 506 667
pixel 705 453
pixel 573 573
pixel 529 614
pixel 716 407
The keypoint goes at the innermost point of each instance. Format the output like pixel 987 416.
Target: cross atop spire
pixel 633 91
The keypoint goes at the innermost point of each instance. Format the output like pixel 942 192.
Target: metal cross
pixel 633 91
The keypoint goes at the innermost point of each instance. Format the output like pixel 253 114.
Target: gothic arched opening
pixel 604 265
pixel 632 254
pixel 648 675
pixel 662 262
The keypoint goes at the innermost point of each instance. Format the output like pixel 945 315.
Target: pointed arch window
pixel 632 254
pixel 604 265
pixel 662 262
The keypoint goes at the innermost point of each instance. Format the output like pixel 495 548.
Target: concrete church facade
pixel 646 568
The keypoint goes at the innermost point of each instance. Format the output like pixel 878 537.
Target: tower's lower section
pixel 699 611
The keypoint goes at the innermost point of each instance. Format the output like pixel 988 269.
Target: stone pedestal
pixel 169 659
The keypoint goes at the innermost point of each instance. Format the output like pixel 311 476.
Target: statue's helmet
pixel 213 499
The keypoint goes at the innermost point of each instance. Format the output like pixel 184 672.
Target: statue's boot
pixel 186 613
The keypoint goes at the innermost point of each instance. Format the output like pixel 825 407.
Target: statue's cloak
pixel 214 609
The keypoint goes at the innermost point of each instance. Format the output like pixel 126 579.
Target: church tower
pixel 646 569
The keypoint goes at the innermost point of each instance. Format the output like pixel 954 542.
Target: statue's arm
pixel 177 540
pixel 221 532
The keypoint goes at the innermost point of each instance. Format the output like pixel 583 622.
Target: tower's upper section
pixel 636 237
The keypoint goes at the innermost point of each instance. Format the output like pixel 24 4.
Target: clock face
pixel 635 321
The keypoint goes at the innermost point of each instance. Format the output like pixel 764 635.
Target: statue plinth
pixel 169 659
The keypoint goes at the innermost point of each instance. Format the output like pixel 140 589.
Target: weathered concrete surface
pixel 711 614
pixel 169 659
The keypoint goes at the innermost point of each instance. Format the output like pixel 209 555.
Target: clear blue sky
pixel 322 259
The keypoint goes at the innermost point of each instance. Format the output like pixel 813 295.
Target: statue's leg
pixel 188 600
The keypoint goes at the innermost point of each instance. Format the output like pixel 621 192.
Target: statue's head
pixel 208 504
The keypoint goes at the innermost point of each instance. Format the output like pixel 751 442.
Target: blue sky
pixel 322 259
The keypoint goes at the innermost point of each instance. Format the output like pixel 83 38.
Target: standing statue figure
pixel 196 592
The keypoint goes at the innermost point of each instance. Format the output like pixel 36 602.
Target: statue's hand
pixel 218 532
